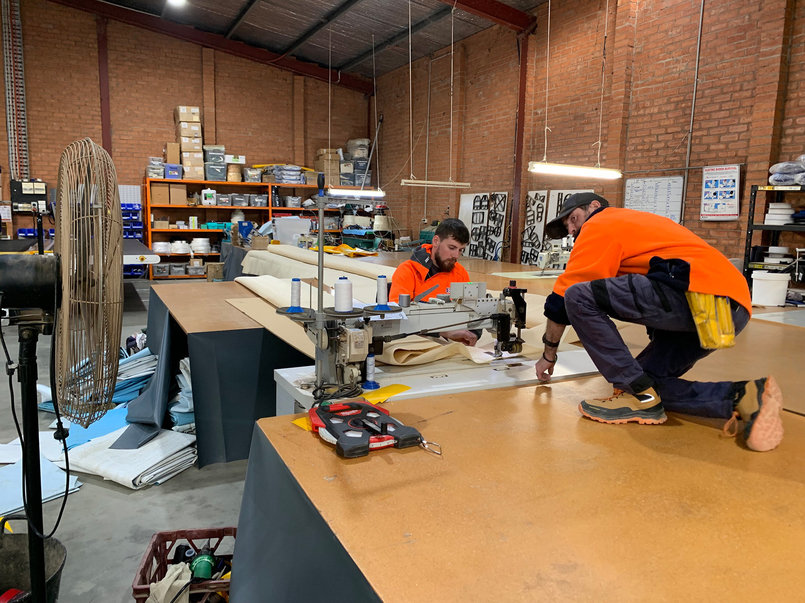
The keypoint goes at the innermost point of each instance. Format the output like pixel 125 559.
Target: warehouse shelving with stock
pixel 214 213
pixel 779 193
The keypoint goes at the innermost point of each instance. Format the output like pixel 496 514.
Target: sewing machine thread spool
pixel 404 300
pixel 296 296
pixel 343 295
pixel 382 293
pixel 370 382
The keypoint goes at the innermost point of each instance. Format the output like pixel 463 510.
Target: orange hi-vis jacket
pixel 412 277
pixel 615 241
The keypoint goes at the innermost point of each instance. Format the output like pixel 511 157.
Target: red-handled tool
pixel 356 427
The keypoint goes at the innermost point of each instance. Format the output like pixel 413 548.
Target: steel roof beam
pixel 497 12
pixel 324 22
pixel 240 19
pixel 217 42
pixel 437 16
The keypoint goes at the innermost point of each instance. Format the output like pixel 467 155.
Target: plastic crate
pixel 155 561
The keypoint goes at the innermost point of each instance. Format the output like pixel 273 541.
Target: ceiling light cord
pixel 547 70
pixel 410 97
pixel 603 77
pixel 452 72
pixel 329 87
pixel 374 85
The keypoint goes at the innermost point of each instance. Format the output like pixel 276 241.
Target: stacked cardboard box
pixel 189 139
pixel 328 162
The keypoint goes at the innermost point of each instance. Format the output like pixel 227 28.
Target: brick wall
pixel 750 104
pixel 149 74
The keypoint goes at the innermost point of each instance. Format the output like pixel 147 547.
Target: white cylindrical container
pixel 769 288
pixel 343 295
pixel 382 291
pixel 296 293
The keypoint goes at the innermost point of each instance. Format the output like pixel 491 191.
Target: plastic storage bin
pixel 161 269
pixel 769 288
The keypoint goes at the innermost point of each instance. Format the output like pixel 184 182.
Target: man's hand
pixel 544 369
pixel 462 336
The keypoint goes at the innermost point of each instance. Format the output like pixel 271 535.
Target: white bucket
pixel 769 288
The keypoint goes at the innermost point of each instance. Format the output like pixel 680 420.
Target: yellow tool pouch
pixel 713 318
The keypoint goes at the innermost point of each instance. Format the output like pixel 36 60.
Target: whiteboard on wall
pixel 661 196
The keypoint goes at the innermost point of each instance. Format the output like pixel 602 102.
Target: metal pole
pixel 28 336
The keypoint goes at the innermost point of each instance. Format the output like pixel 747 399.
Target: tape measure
pixel 356 427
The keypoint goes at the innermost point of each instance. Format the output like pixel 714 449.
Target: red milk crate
pixel 159 555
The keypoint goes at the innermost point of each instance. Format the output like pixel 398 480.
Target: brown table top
pixel 200 307
pixel 532 502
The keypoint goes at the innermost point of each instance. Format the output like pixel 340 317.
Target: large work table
pixel 529 502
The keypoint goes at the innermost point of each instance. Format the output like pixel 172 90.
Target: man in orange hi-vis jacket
pixel 436 264
pixel 637 267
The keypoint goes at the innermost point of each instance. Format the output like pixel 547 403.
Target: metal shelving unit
pixel 774 231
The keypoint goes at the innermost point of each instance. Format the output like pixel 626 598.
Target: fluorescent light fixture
pixel 177 3
pixel 580 171
pixel 435 183
pixel 356 193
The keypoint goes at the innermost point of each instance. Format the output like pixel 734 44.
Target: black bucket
pixel 14 567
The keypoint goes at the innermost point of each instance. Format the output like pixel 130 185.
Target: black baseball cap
pixel 555 229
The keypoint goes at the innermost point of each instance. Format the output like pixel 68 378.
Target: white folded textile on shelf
pixel 155 462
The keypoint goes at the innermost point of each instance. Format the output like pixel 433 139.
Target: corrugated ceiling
pixel 344 39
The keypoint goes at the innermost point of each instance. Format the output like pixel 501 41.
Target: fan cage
pixel 89 239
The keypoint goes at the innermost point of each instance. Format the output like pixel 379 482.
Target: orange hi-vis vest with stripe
pixel 615 241
pixel 412 277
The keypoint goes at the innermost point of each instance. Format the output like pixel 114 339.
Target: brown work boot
pixel 622 407
pixel 759 403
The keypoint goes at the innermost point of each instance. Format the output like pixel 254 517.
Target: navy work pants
pixel 673 348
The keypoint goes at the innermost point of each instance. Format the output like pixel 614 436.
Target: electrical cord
pixel 340 391
pixel 10 369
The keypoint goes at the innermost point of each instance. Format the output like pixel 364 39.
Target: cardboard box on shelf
pixel 240 159
pixel 178 194
pixel 347 167
pixel 172 152
pixel 162 224
pixel 190 143
pixel 193 159
pixel 196 261
pixel 188 128
pixel 160 193
pixel 186 113
pixel 194 173
pixel 215 271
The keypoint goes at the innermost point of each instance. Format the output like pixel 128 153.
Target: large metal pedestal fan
pixel 77 294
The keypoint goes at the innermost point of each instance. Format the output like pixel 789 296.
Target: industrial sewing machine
pixel 345 339
pixel 557 256
pixel 345 336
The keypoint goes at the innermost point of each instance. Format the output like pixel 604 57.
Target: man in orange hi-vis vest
pixel 436 264
pixel 642 268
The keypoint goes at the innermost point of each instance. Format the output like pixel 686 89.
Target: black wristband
pixel 546 359
pixel 549 343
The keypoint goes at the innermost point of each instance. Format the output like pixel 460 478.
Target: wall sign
pixel 720 186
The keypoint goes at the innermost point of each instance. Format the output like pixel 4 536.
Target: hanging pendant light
pixel 561 169
pixel 579 171
pixel 413 180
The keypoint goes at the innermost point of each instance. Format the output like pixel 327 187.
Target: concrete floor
pixel 106 528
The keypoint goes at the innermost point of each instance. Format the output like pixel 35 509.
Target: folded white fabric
pixel 168 454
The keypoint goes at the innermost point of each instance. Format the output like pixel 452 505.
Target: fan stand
pixel 28 282
pixel 29 332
